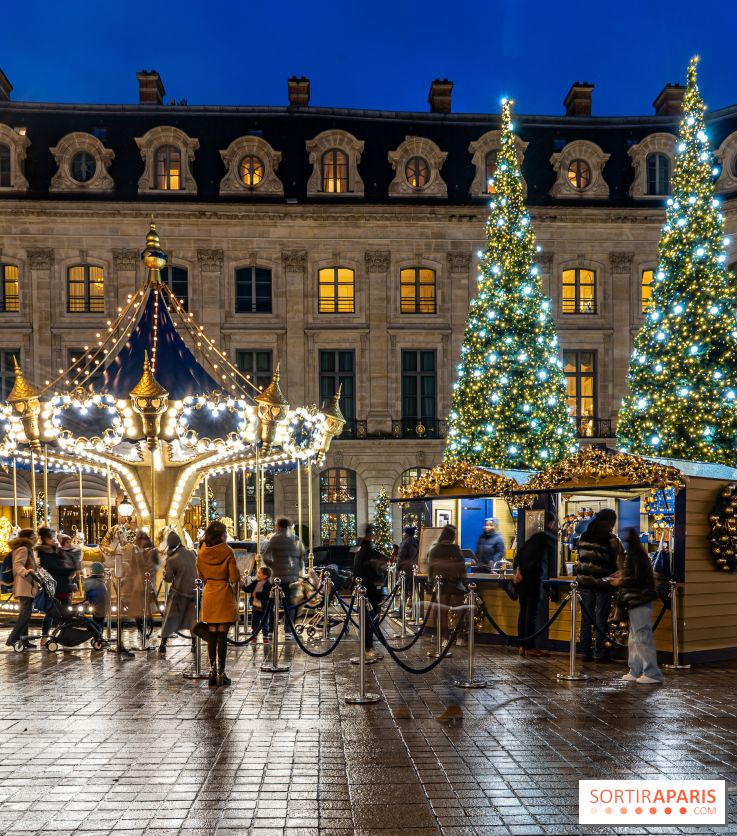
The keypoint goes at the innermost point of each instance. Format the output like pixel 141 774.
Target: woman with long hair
pixel 216 566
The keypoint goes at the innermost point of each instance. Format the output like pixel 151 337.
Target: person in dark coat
pixel 407 557
pixel 96 594
pixel 599 552
pixel 490 548
pixel 529 565
pixel 260 589
pixel 54 562
pixel 636 584
pixel 180 570
pixel 445 559
pixel 24 587
pixel 369 564
pixel 283 555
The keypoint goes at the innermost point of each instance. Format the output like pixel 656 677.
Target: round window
pixel 417 172
pixel 83 167
pixel 579 175
pixel 251 171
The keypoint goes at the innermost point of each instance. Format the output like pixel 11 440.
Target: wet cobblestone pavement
pixel 93 745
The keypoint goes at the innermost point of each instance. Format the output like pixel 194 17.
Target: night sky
pixel 375 55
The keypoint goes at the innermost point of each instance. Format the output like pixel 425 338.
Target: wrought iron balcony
pixel 579 306
pixel 354 428
pixel 594 427
pixel 419 428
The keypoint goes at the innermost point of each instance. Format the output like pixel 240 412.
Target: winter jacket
pixel 139 562
pixel 490 549
pixel 180 571
pixel 598 555
pixel 54 562
pixel 531 559
pixel 24 561
pixel 638 581
pixel 261 596
pixel 95 591
pixel 216 566
pixel 282 556
pixel 446 559
pixel 409 549
pixel 368 564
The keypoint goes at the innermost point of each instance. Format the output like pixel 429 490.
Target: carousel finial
pixel 334 419
pixel 148 386
pixel 153 256
pixel 22 390
pixel 272 408
pixel 23 398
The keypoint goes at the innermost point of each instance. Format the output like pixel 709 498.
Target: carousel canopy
pixel 6 490
pixel 94 490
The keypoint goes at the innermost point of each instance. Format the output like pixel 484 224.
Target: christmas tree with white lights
pixel 383 522
pixel 682 400
pixel 509 402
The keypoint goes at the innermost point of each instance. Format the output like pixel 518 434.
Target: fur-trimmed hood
pixel 21 541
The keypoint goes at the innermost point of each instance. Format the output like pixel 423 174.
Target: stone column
pixel 378 356
pixel 462 289
pixel 298 366
pixel 40 263
pixel 125 264
pixel 545 263
pixel 620 264
pixel 210 264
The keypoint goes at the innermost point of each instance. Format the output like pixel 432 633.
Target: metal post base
pixel 356 660
pixel 572 677
pixel 678 667
pixel 123 652
pixel 434 655
pixel 473 683
pixel 269 668
pixel 195 675
pixel 366 699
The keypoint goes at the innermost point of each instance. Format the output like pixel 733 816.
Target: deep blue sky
pixel 373 54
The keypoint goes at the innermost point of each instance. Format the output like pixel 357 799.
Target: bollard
pixel 676 664
pixel 438 621
pixel 362 698
pixel 327 590
pixel 471 682
pixel 197 672
pixel 274 666
pixel 238 595
pixel 402 604
pixel 572 675
pixel 413 604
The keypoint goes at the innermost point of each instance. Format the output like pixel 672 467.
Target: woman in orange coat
pixel 216 566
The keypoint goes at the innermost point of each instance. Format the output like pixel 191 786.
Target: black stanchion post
pixel 438 621
pixel 119 647
pixel 327 591
pixel 676 664
pixel 274 666
pixel 573 675
pixel 362 697
pixel 471 681
pixel 197 672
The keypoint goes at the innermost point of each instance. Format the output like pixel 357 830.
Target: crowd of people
pixel 605 568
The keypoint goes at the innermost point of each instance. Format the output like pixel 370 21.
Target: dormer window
pixel 658 174
pixel 490 166
pixel 485 151
pixel 252 165
pixel 251 171
pixel 417 163
pixel 83 167
pixel 417 172
pixel 579 175
pixel 579 167
pixel 4 166
pixel 335 171
pixel 13 145
pixel 168 154
pixel 168 168
pixel 653 161
pixel 83 164
pixel 334 156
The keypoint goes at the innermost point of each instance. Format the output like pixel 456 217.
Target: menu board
pixel 428 537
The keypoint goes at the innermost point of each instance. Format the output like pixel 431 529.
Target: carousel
pixel 156 409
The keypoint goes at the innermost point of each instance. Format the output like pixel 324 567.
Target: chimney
pixel 299 91
pixel 439 95
pixel 150 88
pixel 670 100
pixel 578 100
pixel 5 87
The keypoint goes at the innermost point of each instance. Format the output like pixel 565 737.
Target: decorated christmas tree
pixel 682 399
pixel 383 523
pixel 509 402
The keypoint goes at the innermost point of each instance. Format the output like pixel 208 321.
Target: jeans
pixel 642 657
pixel 260 624
pixel 597 603
pixel 527 618
pixel 20 630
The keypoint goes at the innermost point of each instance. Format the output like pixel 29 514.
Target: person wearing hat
pixel 599 553
pixel 407 556
pixel 95 591
pixel 180 570
pixel 490 548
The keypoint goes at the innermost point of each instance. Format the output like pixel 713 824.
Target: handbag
pixel 200 630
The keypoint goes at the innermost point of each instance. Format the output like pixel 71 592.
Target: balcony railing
pixel 354 428
pixel 579 306
pixel 419 428
pixel 594 427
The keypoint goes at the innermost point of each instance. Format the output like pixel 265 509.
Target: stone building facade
pixel 342 244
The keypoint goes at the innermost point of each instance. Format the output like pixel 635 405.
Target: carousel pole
pixel 244 530
pixel 81 507
pixel 109 501
pixel 153 493
pixel 257 475
pixel 235 504
pixel 299 502
pixel 206 500
pixel 34 515
pixel 47 511
pixel 310 555
pixel 15 492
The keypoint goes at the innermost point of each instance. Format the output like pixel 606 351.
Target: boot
pixel 213 678
pixel 194 644
pixel 223 679
pixel 162 646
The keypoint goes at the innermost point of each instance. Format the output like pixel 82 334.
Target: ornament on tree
pixel 382 523
pixel 723 521
pixel 682 378
pixel 509 404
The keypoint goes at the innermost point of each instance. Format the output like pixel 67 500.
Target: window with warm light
pixel 579 291
pixel 9 299
pixel 335 171
pixel 417 172
pixel 417 290
pixel 168 168
pixel 658 174
pixel 490 162
pixel 251 171
pixel 647 289
pixel 338 506
pixel 580 373
pixel 337 291
pixel 5 166
pixel 177 280
pixel 85 289
pixel 579 175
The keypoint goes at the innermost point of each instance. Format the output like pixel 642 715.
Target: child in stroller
pixel 309 618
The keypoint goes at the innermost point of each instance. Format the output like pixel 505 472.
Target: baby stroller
pixel 71 628
pixel 310 615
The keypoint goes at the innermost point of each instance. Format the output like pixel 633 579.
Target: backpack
pixel 663 575
pixel 6 573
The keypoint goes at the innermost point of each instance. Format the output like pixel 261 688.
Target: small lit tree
pixel 383 522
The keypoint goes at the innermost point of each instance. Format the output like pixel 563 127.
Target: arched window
pixel 9 300
pixel 5 165
pixel 337 290
pixel 85 289
pixel 417 172
pixel 334 171
pixel 417 512
pixel 177 280
pixel 83 166
pixel 251 171
pixel 490 163
pixel 338 506
pixel 417 290
pixel 168 168
pixel 579 291
pixel 579 175
pixel 658 174
pixel 646 288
